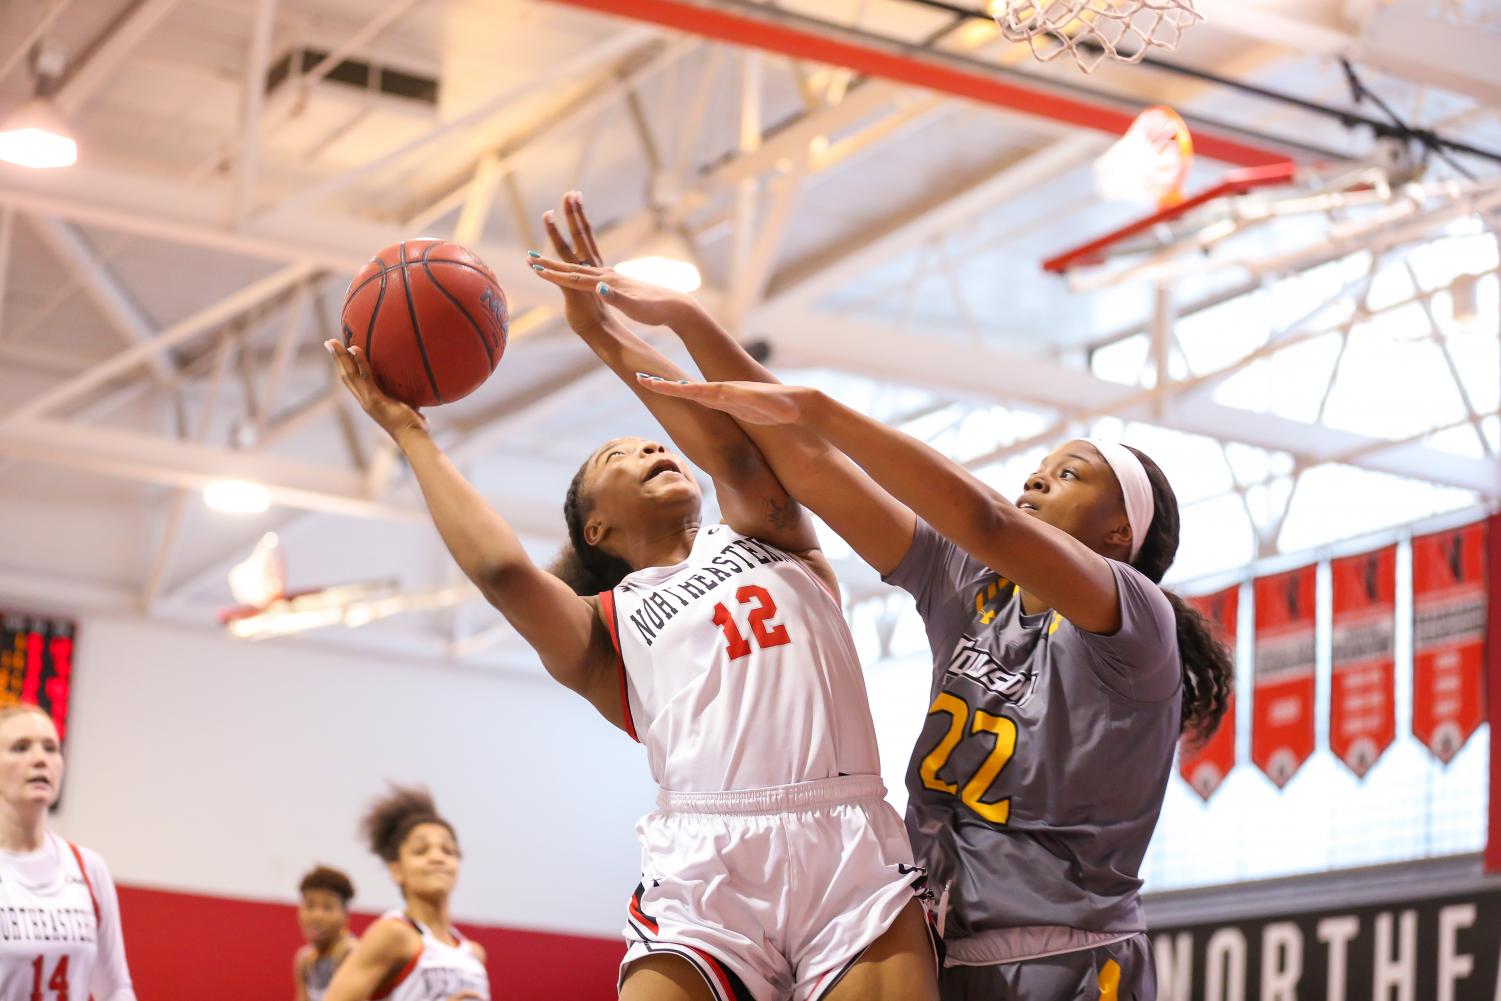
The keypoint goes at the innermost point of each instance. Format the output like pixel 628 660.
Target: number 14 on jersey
pixel 762 610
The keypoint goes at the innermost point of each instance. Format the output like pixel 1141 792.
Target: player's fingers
pixel 560 245
pixel 353 385
pixel 565 279
pixel 340 354
pixel 591 246
pixel 614 293
pixel 670 387
pixel 574 216
pixel 538 262
pixel 366 374
pixel 361 365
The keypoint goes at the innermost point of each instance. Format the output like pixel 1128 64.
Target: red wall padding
pixel 183 946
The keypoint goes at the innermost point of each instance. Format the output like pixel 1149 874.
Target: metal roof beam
pixel 104 291
pixel 805 281
pixel 149 458
pixel 969 370
pixel 92 71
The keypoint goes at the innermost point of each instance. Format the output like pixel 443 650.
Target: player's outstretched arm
pixel 876 525
pixel 751 497
pixel 562 627
pixel 817 475
pixel 1046 561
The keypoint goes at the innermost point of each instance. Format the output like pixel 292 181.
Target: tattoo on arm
pixel 782 515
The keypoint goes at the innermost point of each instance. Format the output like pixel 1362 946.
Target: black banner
pixel 1441 949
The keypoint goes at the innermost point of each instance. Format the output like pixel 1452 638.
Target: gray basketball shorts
pixel 1120 971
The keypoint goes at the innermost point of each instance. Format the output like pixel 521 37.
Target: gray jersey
pixel 1041 768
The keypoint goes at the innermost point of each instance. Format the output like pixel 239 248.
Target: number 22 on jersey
pixel 1004 731
pixel 767 633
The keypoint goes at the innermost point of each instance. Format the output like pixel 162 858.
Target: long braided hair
pixel 1208 666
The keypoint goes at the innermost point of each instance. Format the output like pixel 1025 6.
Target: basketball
pixel 430 318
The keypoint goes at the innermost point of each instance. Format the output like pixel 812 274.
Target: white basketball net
pixel 1094 30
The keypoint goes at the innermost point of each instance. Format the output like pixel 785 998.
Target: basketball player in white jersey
pixel 60 932
pixel 413 954
pixel 1026 811
pixel 774 868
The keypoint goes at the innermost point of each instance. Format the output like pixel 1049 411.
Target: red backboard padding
pixel 183 945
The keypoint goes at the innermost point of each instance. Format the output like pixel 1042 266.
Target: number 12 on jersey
pixel 767 633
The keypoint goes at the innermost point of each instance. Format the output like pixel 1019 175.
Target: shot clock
pixel 36 663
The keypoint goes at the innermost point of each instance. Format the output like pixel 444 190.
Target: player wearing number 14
pixel 59 919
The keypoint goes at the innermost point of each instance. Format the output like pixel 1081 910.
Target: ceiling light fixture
pixel 680 276
pixel 35 135
pixel 237 497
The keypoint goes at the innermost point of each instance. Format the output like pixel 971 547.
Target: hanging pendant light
pixel 35 135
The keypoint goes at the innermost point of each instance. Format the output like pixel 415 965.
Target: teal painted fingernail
pixel 538 267
pixel 604 289
pixel 532 253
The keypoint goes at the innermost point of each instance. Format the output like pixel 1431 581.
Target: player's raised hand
pixel 581 306
pixel 641 301
pixel 394 417
pixel 750 402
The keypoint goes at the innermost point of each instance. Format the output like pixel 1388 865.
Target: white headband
pixel 1135 487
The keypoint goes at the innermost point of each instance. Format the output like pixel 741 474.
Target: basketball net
pixel 1092 31
pixel 1150 162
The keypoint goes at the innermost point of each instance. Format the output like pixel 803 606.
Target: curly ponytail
pixel 1208 666
pixel 391 818
pixel 585 568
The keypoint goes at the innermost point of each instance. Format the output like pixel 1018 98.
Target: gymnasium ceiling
pixel 164 300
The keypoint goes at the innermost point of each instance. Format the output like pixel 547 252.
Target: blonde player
pixel 415 954
pixel 773 867
pixel 323 915
pixel 62 935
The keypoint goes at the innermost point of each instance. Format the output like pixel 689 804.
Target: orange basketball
pixel 430 318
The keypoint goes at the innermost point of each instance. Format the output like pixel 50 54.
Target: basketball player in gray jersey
pixel 1063 674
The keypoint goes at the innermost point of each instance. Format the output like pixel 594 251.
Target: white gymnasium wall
pixel 228 768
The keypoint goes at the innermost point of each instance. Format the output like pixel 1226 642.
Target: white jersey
pixel 439 971
pixel 60 926
pixel 738 670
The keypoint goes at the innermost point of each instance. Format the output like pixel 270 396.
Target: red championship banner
pixel 1362 714
pixel 1282 731
pixel 1205 767
pixel 1448 637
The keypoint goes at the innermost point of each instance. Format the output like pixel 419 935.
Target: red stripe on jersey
pixel 93 898
pixel 607 613
pixel 385 989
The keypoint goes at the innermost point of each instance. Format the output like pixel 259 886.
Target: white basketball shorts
pixel 771 893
